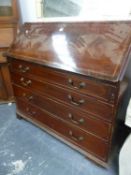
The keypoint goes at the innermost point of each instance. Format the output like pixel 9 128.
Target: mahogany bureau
pixel 68 79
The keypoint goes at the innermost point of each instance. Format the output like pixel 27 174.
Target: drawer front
pixel 97 89
pixel 69 97
pixel 96 126
pixel 83 140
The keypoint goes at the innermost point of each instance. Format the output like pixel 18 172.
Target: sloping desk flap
pixel 95 49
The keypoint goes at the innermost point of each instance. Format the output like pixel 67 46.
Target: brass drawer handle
pixel 80 121
pixel 25 83
pixel 23 69
pixel 80 85
pixel 72 101
pixel 28 97
pixel 78 139
pixel 30 112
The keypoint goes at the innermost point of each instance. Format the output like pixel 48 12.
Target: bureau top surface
pixel 95 49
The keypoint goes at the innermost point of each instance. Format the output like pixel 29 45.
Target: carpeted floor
pixel 27 150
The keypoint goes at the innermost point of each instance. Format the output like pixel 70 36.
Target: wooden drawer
pixel 96 126
pixel 87 142
pixel 69 97
pixel 78 83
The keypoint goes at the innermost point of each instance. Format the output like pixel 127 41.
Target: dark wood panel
pixel 6 91
pixel 7 82
pixel 103 91
pixel 85 141
pixel 3 94
pixel 82 120
pixel 82 102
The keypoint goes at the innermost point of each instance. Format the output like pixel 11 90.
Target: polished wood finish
pixel 70 83
pixel 96 49
pixel 8 25
pixel 84 140
pixel 76 82
pixel 80 101
pixel 82 120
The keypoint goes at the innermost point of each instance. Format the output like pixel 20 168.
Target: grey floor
pixel 27 150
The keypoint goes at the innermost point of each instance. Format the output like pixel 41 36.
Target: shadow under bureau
pixel 70 82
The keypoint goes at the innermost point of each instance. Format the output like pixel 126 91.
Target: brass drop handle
pixel 29 111
pixel 29 97
pixel 78 139
pixel 80 121
pixel 80 86
pixel 25 83
pixel 72 101
pixel 24 69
